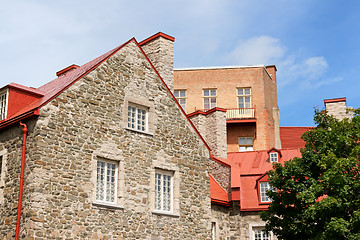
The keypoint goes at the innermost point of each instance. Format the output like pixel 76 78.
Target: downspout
pixel 25 130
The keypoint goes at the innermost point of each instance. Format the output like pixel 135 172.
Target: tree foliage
pixel 318 195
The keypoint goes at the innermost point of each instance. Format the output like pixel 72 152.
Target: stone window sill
pixel 107 205
pixel 170 214
pixel 134 130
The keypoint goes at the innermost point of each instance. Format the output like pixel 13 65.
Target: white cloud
pixel 257 50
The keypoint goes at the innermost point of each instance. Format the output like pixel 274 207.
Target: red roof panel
pixel 291 136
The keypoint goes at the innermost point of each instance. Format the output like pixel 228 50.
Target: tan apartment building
pixel 249 95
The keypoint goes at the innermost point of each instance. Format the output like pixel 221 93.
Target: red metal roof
pixel 247 168
pixel 291 136
pixel 217 193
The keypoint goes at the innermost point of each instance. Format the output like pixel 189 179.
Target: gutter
pixel 22 173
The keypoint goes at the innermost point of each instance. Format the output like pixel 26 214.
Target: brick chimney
pixel 337 108
pixel 159 48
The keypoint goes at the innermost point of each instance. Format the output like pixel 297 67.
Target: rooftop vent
pixel 67 69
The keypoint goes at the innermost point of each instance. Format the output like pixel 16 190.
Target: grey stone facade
pixel 337 108
pixel 87 122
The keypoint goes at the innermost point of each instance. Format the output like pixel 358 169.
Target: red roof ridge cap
pixel 343 99
pixel 159 34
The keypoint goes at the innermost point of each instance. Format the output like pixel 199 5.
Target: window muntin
pixel 260 234
pixel 264 187
pixel 163 191
pixel 138 118
pixel 106 181
pixel 244 97
pixel 246 144
pixel 3 105
pixel 180 96
pixel 209 98
pixel 274 157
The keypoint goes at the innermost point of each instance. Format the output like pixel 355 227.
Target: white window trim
pixel 162 173
pixel 3 153
pixel 120 180
pixel 139 107
pixel 5 91
pixel 142 103
pixel 260 224
pixel 179 98
pixel 274 157
pixel 244 95
pixel 246 145
pixel 268 188
pixel 209 97
pixel 162 164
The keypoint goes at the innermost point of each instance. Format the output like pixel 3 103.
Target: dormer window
pixel 274 157
pixel 264 187
pixel 3 104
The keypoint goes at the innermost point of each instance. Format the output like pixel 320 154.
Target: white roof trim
pixel 223 67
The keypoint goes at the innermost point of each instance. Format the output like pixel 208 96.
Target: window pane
pixel 249 141
pixel 176 94
pixel 213 92
pixel 242 141
pixel 206 93
pixel 247 91
pixel 182 94
pixel 206 103
pixel 240 91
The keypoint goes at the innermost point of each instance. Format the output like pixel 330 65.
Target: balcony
pixel 236 115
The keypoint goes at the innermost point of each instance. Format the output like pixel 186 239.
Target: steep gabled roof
pixel 218 194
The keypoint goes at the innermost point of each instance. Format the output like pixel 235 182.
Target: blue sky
pixel 314 44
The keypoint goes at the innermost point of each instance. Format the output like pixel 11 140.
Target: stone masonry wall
pixel 222 174
pixel 212 127
pixel 338 110
pixel 86 122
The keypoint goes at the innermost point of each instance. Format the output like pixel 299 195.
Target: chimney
pixel 159 48
pixel 212 127
pixel 337 108
pixel 66 70
pixel 272 71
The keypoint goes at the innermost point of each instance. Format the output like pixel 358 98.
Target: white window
pixel 244 97
pixel 213 230
pixel 274 157
pixel 264 187
pixel 138 118
pixel 3 104
pixel 209 98
pixel 106 181
pixel 259 233
pixel 180 96
pixel 163 191
pixel 246 144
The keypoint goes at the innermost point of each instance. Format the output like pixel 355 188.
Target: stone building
pixel 109 153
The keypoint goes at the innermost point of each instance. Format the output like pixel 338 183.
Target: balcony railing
pixel 239 113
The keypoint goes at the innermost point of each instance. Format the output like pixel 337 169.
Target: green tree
pixel 318 195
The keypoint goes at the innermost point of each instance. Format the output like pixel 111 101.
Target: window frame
pixel 4 103
pixel 180 99
pixel 274 157
pixel 246 145
pixel 138 107
pixel 116 177
pixel 209 97
pixel 243 96
pixel 262 192
pixel 170 174
pixel 262 232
